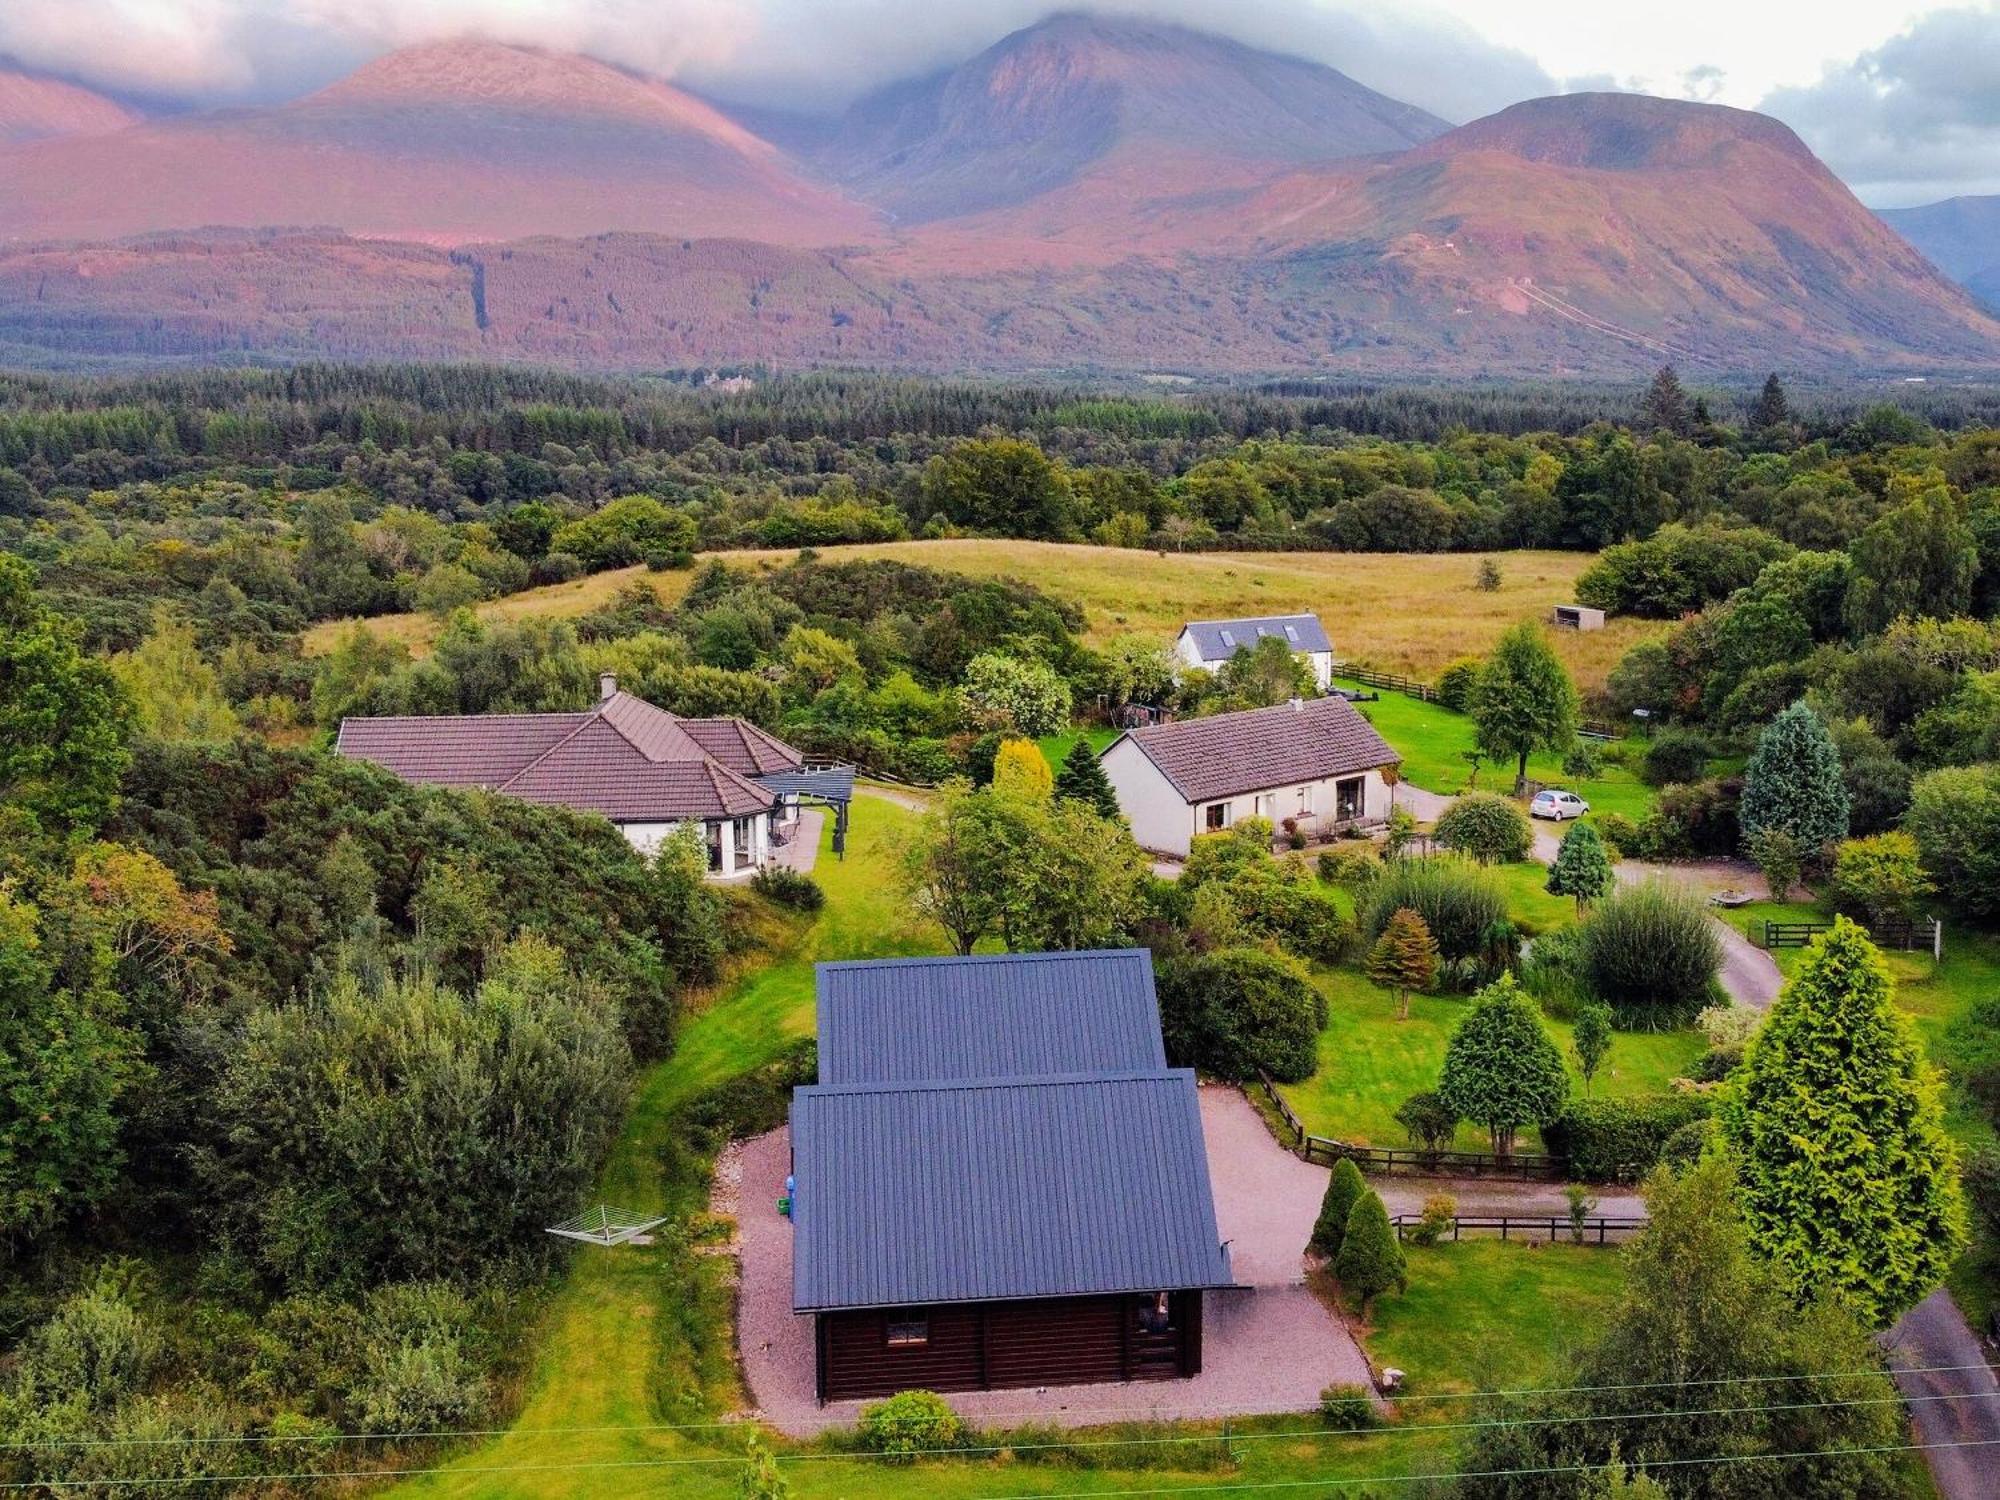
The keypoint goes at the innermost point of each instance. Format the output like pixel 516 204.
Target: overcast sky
pixel 1901 97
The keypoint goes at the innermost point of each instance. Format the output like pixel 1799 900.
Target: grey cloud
pixel 795 53
pixel 1913 120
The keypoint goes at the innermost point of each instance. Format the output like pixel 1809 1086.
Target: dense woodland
pixel 272 1022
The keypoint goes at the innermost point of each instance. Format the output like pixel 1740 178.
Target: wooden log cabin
pixel 998 1181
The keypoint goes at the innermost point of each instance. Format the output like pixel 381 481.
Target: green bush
pixel 1370 1261
pixel 1621 833
pixel 1650 952
pixel 910 1423
pixel 1955 818
pixel 1487 827
pixel 1464 907
pixel 1344 1188
pixel 1234 1011
pixel 788 887
pixel 750 1103
pixel 1676 755
pixel 1350 865
pixel 1684 1147
pixel 1427 1120
pixel 1552 971
pixel 1349 1408
pixel 1454 683
pixel 1440 1209
pixel 1620 1140
pixel 1697 818
pixel 1879 879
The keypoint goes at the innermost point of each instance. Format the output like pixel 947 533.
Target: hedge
pixel 1620 1140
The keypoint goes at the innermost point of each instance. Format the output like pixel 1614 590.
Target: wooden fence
pixel 1385 1161
pixel 1592 1230
pixel 1395 682
pixel 1908 936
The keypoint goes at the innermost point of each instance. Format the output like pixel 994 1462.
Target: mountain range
pixel 1086 193
pixel 1961 236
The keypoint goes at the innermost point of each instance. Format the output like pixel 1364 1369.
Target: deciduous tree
pixel 1523 700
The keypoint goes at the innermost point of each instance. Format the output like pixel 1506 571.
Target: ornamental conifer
pixel 1404 958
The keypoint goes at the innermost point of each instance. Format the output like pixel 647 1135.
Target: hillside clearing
pixel 1398 611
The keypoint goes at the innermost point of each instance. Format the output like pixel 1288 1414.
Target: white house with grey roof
pixel 1318 761
pixel 1210 643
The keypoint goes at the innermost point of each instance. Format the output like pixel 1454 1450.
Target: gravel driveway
pixel 1270 1347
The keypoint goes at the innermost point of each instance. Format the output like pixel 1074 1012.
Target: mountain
pixel 1053 103
pixel 34 108
pixel 443 143
pixel 1962 238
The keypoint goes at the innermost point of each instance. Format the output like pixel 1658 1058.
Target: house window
pixel 1260 805
pixel 1349 797
pixel 908 1333
pixel 1305 801
pixel 1215 816
pixel 714 834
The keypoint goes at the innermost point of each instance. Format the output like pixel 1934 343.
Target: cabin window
pixel 909 1333
pixel 1349 797
pixel 1155 1313
pixel 1215 816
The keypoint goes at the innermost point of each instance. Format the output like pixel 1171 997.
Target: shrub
pixel 1234 1011
pixel 1683 1148
pixel 1344 1188
pixel 1879 879
pixel 1582 867
pixel 1429 1122
pixel 1552 971
pixel 1676 755
pixel 1650 952
pixel 1440 1209
pixel 1487 827
pixel 94 1351
pixel 1716 1064
pixel 1620 832
pixel 1348 1408
pixel 1351 865
pixel 418 1372
pixel 1370 1261
pixel 1620 1140
pixel 909 1423
pixel 788 887
pixel 1776 854
pixel 1583 760
pixel 1454 683
pixel 1955 818
pixel 1463 906
pixel 1696 819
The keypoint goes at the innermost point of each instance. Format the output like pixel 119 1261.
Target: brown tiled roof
pixel 626 759
pixel 1262 748
pixel 742 746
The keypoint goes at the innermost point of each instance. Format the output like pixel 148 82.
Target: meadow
pixel 1397 612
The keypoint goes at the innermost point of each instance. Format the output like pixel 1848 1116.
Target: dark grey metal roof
pixel 989 1016
pixel 1218 640
pixel 995 1189
pixel 828 783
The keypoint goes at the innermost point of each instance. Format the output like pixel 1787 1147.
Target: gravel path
pixel 1271 1346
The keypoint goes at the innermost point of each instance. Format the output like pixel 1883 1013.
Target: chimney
pixel 1298 705
pixel 607 685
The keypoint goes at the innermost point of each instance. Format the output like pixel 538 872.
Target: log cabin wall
pixel 994 1345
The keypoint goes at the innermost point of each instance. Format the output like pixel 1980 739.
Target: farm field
pixel 1400 612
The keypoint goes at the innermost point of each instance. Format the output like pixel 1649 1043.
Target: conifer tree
pixel 1344 1189
pixel 1793 784
pixel 1404 958
pixel 1500 1068
pixel 1666 405
pixel 1370 1261
pixel 1081 777
pixel 1772 408
pixel 1021 770
pixel 1582 868
pixel 1848 1179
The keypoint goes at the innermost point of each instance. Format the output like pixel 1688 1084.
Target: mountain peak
pixel 1040 106
pixel 1611 132
pixel 36 108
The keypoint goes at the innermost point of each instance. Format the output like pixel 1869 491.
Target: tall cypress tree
pixel 1848 1179
pixel 1666 404
pixel 1793 783
pixel 1081 777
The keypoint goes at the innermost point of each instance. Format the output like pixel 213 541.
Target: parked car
pixel 1550 803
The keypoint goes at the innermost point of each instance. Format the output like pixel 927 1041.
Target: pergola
pixel 828 786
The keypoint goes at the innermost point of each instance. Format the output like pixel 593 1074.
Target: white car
pixel 1557 805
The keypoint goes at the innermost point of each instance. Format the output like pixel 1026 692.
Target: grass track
pixel 1403 612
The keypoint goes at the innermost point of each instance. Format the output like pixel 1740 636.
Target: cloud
pixel 797 53
pixel 1914 119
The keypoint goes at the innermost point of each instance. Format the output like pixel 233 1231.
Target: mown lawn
pixel 1433 739
pixel 1056 746
pixel 1369 1062
pixel 1482 1316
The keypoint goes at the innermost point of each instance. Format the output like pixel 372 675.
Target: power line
pixel 988 1450
pixel 1025 1414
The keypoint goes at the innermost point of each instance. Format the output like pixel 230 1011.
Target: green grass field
pixel 1056 746
pixel 1369 1062
pixel 1433 739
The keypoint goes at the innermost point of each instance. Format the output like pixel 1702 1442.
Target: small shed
pixel 1578 617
